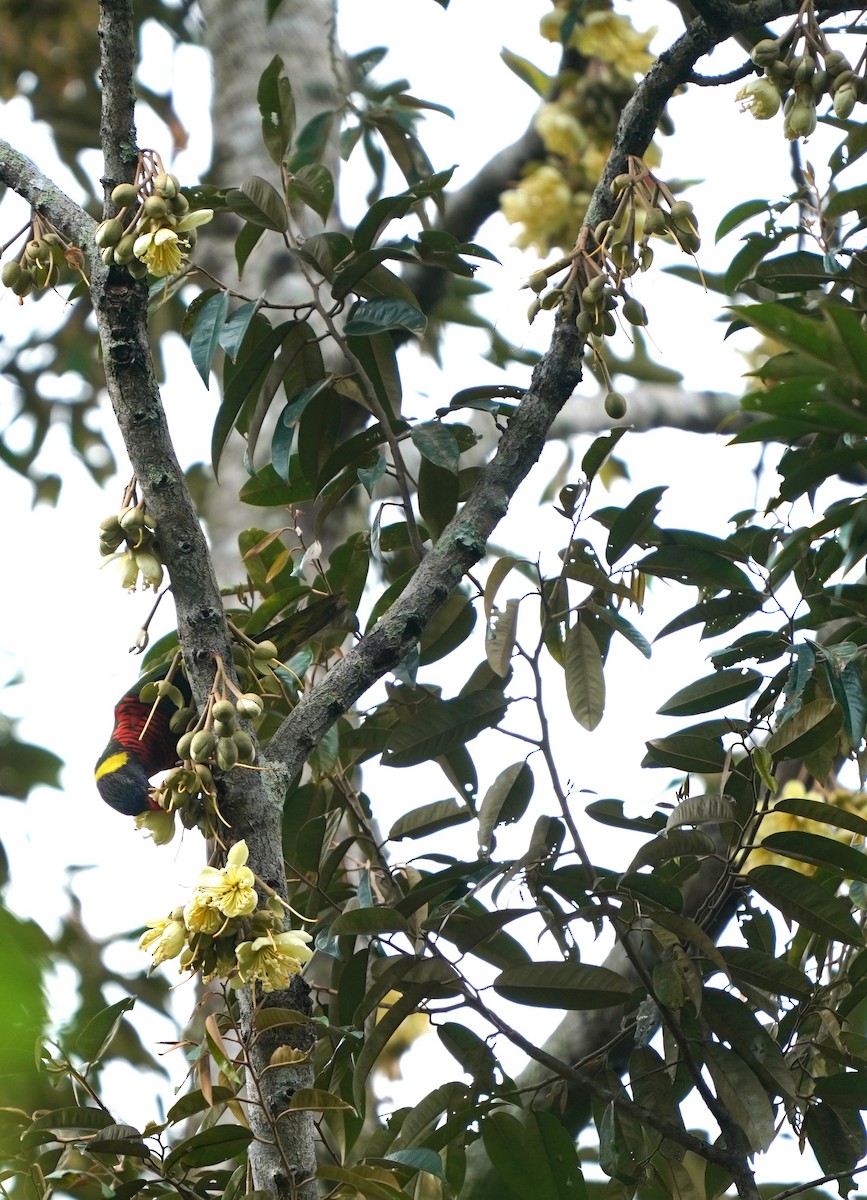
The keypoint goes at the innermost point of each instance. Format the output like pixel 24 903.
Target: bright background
pixel 68 625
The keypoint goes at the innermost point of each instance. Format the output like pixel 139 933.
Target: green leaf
pixel 195 1102
pixel 245 244
pixel 817 810
pixel 360 1183
pixel 246 378
pixel 798 332
pixel 500 638
pixel 438 444
pixel 818 850
pixel 731 1020
pixel 369 317
pixel 800 898
pixel 430 818
pixel 759 970
pixel 618 622
pixel 848 1090
pixel 100 1030
pixel 210 1146
pixel 585 681
pixel 697 567
pixel 632 522
pixel 235 329
pixel 533 1157
pixel 610 812
pixel 277 108
pixel 689 752
pixel 369 921
pixel 737 215
pixel 505 801
pixel 419 1158
pixel 259 203
pixel 738 1088
pixel 852 199
pixel 566 985
pixel 442 725
pixel 809 729
pixel 600 451
pixel 702 810
pixel 800 271
pixel 678 843
pixel 210 320
pixel 837 1139
pixel 314 186
pixel 310 1099
pixel 711 692
pixel 527 73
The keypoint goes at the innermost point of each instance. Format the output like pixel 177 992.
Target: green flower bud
pixel 11 273
pixel 615 406
pixel 124 195
pixel 108 233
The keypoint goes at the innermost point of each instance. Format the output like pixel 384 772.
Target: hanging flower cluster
pixel 47 258
pixel 799 69
pixel 128 538
pixel 155 228
pixel 578 126
pixel 222 932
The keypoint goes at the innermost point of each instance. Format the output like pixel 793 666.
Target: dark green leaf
pixel 800 898
pixel 811 727
pixel 711 692
pixel 505 801
pixel 375 316
pixel 101 1030
pixel 369 921
pixel 818 850
pixel 438 444
pixel 210 1146
pixel 429 818
pixel 443 725
pixel 314 186
pixel 573 986
pixel 259 203
pixel 277 108
pixel 737 215
pixel 210 320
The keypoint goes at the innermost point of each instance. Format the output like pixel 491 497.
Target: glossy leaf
pixel 437 443
pixel 818 850
pixel 210 319
pixel 313 186
pixel 277 109
pixel 258 202
pixel 370 317
pixel 210 1146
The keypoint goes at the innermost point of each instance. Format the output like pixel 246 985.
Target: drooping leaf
pixel 370 317
pixel 277 109
pixel 258 202
pixel 585 681
pixel 505 801
pixel 210 319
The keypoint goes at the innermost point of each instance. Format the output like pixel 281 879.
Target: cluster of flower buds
pixel 155 229
pixel 213 741
pixel 595 289
pixel 128 538
pixel 223 932
pixel 799 69
pixel 46 258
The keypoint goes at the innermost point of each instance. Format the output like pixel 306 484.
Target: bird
pixel 124 768
pixel 131 756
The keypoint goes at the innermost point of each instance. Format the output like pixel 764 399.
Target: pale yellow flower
pixel 165 938
pixel 230 888
pixel 158 823
pixel 541 203
pixel 163 250
pixel 200 916
pixel 615 40
pixel 760 98
pixel 271 959
pixel 559 130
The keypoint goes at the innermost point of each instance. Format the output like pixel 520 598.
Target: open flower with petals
pixel 614 39
pixel 164 250
pixel 760 98
pixel 200 916
pixel 158 823
pixel 271 959
pixel 230 888
pixel 165 938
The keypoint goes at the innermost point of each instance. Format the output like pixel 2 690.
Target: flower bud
pixel 615 406
pixel 223 710
pixel 11 273
pixel 202 745
pixel 108 233
pixel 124 195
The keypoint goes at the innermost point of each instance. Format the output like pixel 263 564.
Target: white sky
pixel 68 625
